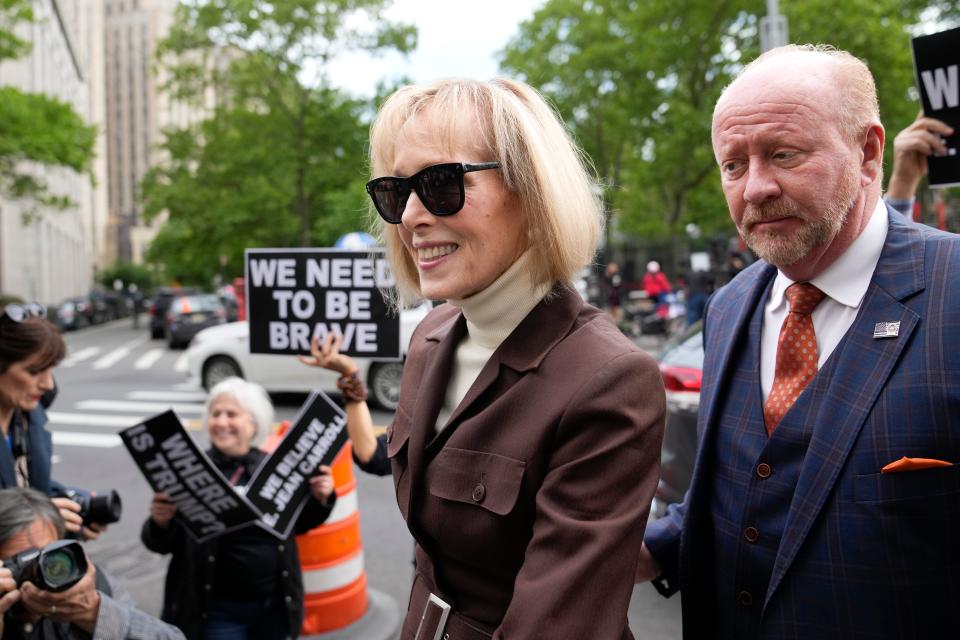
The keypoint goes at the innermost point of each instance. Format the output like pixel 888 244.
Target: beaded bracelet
pixel 352 388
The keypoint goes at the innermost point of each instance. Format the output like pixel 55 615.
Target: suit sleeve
pixel 663 536
pixel 578 569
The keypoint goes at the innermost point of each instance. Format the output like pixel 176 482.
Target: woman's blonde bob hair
pixel 540 165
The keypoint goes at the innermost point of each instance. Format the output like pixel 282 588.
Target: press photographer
pixel 30 347
pixel 49 590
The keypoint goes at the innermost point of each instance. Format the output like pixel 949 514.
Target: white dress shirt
pixel 844 282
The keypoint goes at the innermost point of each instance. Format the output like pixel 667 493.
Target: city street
pixel 114 376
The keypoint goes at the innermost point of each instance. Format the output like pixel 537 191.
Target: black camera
pixel 56 567
pixel 105 509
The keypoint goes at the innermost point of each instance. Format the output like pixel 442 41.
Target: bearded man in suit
pixel 825 500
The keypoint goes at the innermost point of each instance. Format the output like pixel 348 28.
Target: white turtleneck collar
pixel 495 312
pixel 491 316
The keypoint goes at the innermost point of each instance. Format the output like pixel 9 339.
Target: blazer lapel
pixel 861 368
pixel 546 324
pixel 443 343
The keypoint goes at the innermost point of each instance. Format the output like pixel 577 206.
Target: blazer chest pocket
pixel 907 488
pixel 486 480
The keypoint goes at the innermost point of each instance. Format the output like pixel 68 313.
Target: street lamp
pixel 773 27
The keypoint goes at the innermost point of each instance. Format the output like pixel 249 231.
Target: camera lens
pixel 105 509
pixel 58 568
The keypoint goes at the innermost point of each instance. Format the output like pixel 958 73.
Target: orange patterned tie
pixel 796 353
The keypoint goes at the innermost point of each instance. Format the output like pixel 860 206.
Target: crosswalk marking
pixel 119 353
pixel 59 418
pixel 181 364
pixel 148 359
pixel 172 396
pixel 73 438
pixel 79 356
pixel 148 407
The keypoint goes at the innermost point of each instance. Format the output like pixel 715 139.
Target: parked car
pixel 74 313
pixel 157 309
pixel 189 315
pixel 222 352
pixel 681 366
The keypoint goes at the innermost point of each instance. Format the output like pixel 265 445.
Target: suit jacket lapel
pixel 862 361
pixel 733 319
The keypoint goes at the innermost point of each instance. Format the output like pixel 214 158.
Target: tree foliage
pixel 127 273
pixel 35 128
pixel 281 159
pixel 636 80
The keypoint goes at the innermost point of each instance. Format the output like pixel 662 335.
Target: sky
pixel 456 38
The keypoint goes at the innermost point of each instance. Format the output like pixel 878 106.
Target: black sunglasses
pixel 20 312
pixel 440 189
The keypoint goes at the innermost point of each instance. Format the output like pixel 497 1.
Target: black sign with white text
pixel 936 60
pixel 279 486
pixel 207 505
pixel 293 295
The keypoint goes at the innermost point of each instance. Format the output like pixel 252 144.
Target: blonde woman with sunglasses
pixel 525 448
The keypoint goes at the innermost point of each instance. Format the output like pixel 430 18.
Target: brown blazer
pixel 529 507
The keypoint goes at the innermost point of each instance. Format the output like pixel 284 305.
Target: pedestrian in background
pixel 655 282
pixel 526 443
pixel 613 284
pixel 245 584
pixel 825 500
pixel 698 288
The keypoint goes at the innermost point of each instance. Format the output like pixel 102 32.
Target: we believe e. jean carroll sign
pixel 295 294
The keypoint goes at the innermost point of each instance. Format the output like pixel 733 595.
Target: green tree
pixel 35 129
pixel 281 160
pixel 127 273
pixel 637 82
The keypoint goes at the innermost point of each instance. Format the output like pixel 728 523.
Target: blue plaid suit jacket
pixel 863 554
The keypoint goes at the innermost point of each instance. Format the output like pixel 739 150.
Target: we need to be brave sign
pixel 294 294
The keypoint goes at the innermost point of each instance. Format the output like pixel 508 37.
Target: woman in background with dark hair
pixel 30 346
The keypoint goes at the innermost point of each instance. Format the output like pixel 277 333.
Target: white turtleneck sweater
pixel 491 315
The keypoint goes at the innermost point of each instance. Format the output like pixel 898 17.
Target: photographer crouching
pixel 48 587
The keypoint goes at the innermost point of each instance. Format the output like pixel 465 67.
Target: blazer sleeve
pixel 663 541
pixel 577 576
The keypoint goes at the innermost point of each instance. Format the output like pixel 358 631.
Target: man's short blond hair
pixel 540 165
pixel 858 107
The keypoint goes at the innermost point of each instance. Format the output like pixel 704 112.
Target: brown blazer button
pixel 479 492
pixel 764 470
pixel 751 534
pixel 745 598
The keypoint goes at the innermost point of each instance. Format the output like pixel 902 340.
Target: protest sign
pixel 207 505
pixel 293 295
pixel 279 486
pixel 936 60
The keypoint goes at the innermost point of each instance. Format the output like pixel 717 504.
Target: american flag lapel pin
pixel 886 330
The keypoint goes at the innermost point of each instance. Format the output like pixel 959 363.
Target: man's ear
pixel 871 150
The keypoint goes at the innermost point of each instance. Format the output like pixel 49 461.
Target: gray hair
pixel 251 397
pixel 21 507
